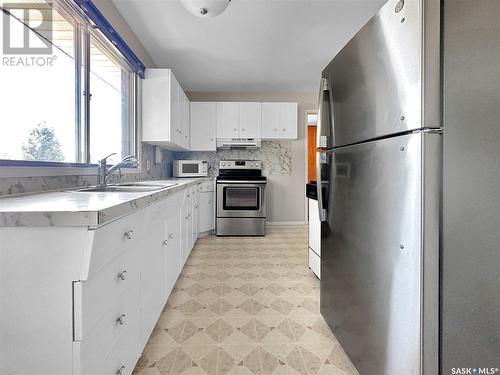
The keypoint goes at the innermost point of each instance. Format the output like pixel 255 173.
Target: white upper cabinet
pixel 203 126
pixel 228 120
pixel 184 122
pixel 165 111
pixel 239 120
pixel 271 120
pixel 279 120
pixel 250 120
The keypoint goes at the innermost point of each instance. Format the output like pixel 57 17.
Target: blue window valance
pixel 105 27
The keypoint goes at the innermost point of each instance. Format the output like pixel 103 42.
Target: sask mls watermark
pixel 474 370
pixel 27 33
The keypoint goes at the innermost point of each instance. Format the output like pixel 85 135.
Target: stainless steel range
pixel 241 198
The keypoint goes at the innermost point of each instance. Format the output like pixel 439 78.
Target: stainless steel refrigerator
pixel 408 189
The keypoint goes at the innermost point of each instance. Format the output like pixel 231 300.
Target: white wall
pixel 286 194
pixel 115 18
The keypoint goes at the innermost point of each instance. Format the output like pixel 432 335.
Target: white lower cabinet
pixel 206 211
pixel 121 276
pixel 314 238
pixel 172 243
pixel 114 343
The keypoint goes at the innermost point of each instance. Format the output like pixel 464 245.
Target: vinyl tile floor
pixel 243 306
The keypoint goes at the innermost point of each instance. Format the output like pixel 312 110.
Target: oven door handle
pixel 242 182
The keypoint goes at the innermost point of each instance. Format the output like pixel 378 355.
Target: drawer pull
pixel 171 236
pixel 129 234
pixel 122 275
pixel 165 242
pixel 120 371
pixel 121 319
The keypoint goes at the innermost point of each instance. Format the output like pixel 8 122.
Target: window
pixel 52 55
pixel 111 101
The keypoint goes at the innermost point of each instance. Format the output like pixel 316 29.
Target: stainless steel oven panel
pixel 260 212
pixel 241 226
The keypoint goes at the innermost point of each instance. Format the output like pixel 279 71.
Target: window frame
pixel 84 31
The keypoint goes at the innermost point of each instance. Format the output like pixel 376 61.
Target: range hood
pixel 238 143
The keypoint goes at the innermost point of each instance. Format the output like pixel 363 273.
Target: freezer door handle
pixel 321 139
pixel 319 185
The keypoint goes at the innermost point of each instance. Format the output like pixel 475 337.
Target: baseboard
pixel 271 223
pixel 207 233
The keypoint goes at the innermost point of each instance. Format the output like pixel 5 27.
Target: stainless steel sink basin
pixel 127 188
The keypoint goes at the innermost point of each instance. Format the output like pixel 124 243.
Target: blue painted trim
pixel 105 27
pixel 34 163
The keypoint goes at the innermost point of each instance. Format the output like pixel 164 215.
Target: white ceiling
pixel 255 45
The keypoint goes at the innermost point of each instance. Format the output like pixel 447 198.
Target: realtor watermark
pixel 474 370
pixel 27 33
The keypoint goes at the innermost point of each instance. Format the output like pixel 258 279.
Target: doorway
pixel 311 124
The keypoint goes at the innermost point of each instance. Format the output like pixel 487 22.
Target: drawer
pixel 123 357
pixel 96 350
pixel 93 297
pixel 113 239
pixel 315 263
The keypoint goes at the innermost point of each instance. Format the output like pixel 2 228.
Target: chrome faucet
pixel 103 173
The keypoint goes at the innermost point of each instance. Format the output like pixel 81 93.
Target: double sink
pixel 135 187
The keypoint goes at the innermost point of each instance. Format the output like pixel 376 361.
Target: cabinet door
pixel 203 126
pixel 153 288
pixel 173 248
pixel 270 120
pixel 250 120
pixel 185 121
pixel 156 113
pixel 288 121
pixel 228 120
pixel 206 212
pixel 175 131
pixel 314 227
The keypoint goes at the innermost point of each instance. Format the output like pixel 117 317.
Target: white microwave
pixel 190 168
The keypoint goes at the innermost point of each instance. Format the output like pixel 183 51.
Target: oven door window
pixel 190 168
pixel 242 198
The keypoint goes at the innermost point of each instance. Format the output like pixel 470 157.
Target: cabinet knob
pixel 121 319
pixel 122 275
pixel 284 129
pixel 275 129
pixel 171 236
pixel 242 129
pixel 234 129
pixel 120 371
pixel 129 234
pixel 165 242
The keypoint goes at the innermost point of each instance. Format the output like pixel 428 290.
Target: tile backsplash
pixel 276 160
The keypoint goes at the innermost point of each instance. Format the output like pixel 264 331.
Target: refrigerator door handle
pixel 319 186
pixel 321 140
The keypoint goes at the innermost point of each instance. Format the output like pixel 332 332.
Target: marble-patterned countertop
pixel 81 208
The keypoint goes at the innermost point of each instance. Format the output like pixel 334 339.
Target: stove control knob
pixel 251 164
pixel 223 164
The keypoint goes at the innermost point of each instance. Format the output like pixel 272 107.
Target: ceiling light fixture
pixel 205 8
